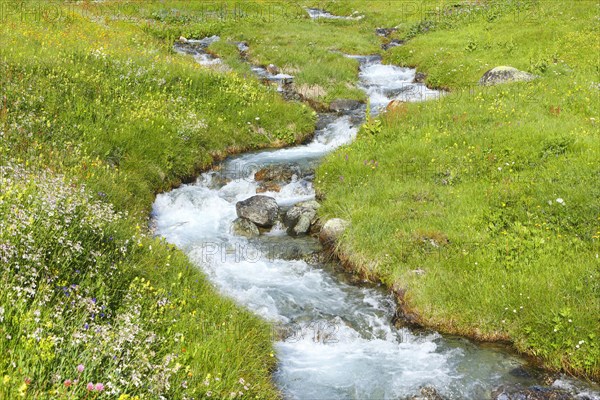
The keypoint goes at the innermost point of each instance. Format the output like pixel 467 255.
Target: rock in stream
pixel 261 210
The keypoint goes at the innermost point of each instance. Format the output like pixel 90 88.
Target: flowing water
pixel 339 341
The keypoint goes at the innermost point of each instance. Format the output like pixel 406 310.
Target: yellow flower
pixel 6 379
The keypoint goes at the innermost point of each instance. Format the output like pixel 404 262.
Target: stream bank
pixel 340 340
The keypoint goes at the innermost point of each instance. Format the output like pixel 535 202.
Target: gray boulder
pixel 332 231
pixel 261 210
pixel 244 227
pixel 504 74
pixel 301 217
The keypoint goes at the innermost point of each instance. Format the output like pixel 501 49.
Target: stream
pixel 338 340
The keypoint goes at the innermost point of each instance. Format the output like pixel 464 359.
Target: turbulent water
pixel 339 342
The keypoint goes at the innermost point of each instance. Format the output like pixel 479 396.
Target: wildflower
pixel 560 201
pixel 67 382
pixel 22 389
pixel 90 386
pixel 80 367
pixel 99 387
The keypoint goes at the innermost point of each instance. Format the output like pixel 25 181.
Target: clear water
pixel 339 342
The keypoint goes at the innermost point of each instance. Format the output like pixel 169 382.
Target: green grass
pixel 96 107
pixel 96 111
pixel 466 188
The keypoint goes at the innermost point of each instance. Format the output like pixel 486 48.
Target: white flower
pixel 560 201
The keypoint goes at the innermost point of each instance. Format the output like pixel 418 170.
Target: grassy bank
pixel 493 193
pixel 98 115
pixel 490 194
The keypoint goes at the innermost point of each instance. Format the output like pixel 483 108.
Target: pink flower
pixel 68 382
pixel 90 386
pixel 99 387
pixel 80 368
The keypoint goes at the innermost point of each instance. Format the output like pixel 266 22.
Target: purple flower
pixel 80 367
pixel 90 386
pixel 99 387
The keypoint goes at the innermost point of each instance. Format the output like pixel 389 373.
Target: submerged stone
pixel 244 227
pixel 341 105
pixel 530 393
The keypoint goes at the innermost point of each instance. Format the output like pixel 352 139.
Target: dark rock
pixel 244 227
pixel 261 210
pixel 385 32
pixel 395 92
pixel 325 119
pixel 272 69
pixel 520 372
pixel 301 217
pixel 392 43
pixel 287 248
pixel 530 393
pixel 342 105
pixel 420 77
pixel 504 74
